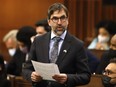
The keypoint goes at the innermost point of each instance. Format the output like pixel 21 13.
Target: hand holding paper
pixel 61 78
pixel 46 70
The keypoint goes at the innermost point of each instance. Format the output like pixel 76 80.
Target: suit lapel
pixel 64 49
pixel 46 47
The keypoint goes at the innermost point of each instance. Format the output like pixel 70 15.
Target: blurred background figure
pixel 107 56
pixel 93 61
pixel 17 57
pixel 42 27
pixel 3 76
pixel 109 79
pixel 10 41
pixel 104 31
pixel 23 36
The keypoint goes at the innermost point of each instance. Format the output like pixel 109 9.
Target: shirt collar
pixel 62 36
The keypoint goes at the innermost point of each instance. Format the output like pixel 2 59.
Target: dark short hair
pixel 113 60
pixel 55 7
pixel 43 23
pixel 109 25
pixel 24 34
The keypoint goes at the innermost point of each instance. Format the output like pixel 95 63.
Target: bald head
pixel 113 43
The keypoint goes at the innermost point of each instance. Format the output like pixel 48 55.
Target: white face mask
pixel 102 39
pixel 12 51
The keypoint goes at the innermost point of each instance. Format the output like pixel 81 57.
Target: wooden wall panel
pixel 17 13
pixel 85 14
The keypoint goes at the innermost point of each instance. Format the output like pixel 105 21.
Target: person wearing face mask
pixel 23 36
pixel 109 76
pixel 13 66
pixel 105 30
pixel 10 41
pixel 107 56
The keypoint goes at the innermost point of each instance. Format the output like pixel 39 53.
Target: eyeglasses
pixel 108 72
pixel 56 19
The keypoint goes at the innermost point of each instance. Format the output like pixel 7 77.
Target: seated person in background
pixel 14 65
pixel 3 76
pixel 10 41
pixel 23 36
pixel 105 30
pixel 42 27
pixel 109 78
pixel 107 56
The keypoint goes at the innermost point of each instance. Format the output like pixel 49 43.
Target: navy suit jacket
pixel 73 61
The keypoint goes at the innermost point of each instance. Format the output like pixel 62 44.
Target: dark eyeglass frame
pixel 108 72
pixel 56 19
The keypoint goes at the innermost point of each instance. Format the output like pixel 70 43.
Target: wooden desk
pixel 94 82
pixel 97 53
pixel 18 81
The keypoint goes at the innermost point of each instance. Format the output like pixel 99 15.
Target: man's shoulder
pixel 47 35
pixel 76 42
pixel 76 39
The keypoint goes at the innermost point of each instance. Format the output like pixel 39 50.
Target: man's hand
pixel 35 77
pixel 61 78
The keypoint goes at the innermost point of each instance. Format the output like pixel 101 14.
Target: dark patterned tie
pixel 54 50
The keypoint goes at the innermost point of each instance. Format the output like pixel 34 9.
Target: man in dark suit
pixel 72 60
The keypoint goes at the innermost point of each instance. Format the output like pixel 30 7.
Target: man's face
pixel 103 32
pixel 58 22
pixel 40 30
pixel 22 47
pixel 10 43
pixel 113 43
pixel 111 72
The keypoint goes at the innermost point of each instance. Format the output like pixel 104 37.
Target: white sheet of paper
pixel 46 70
